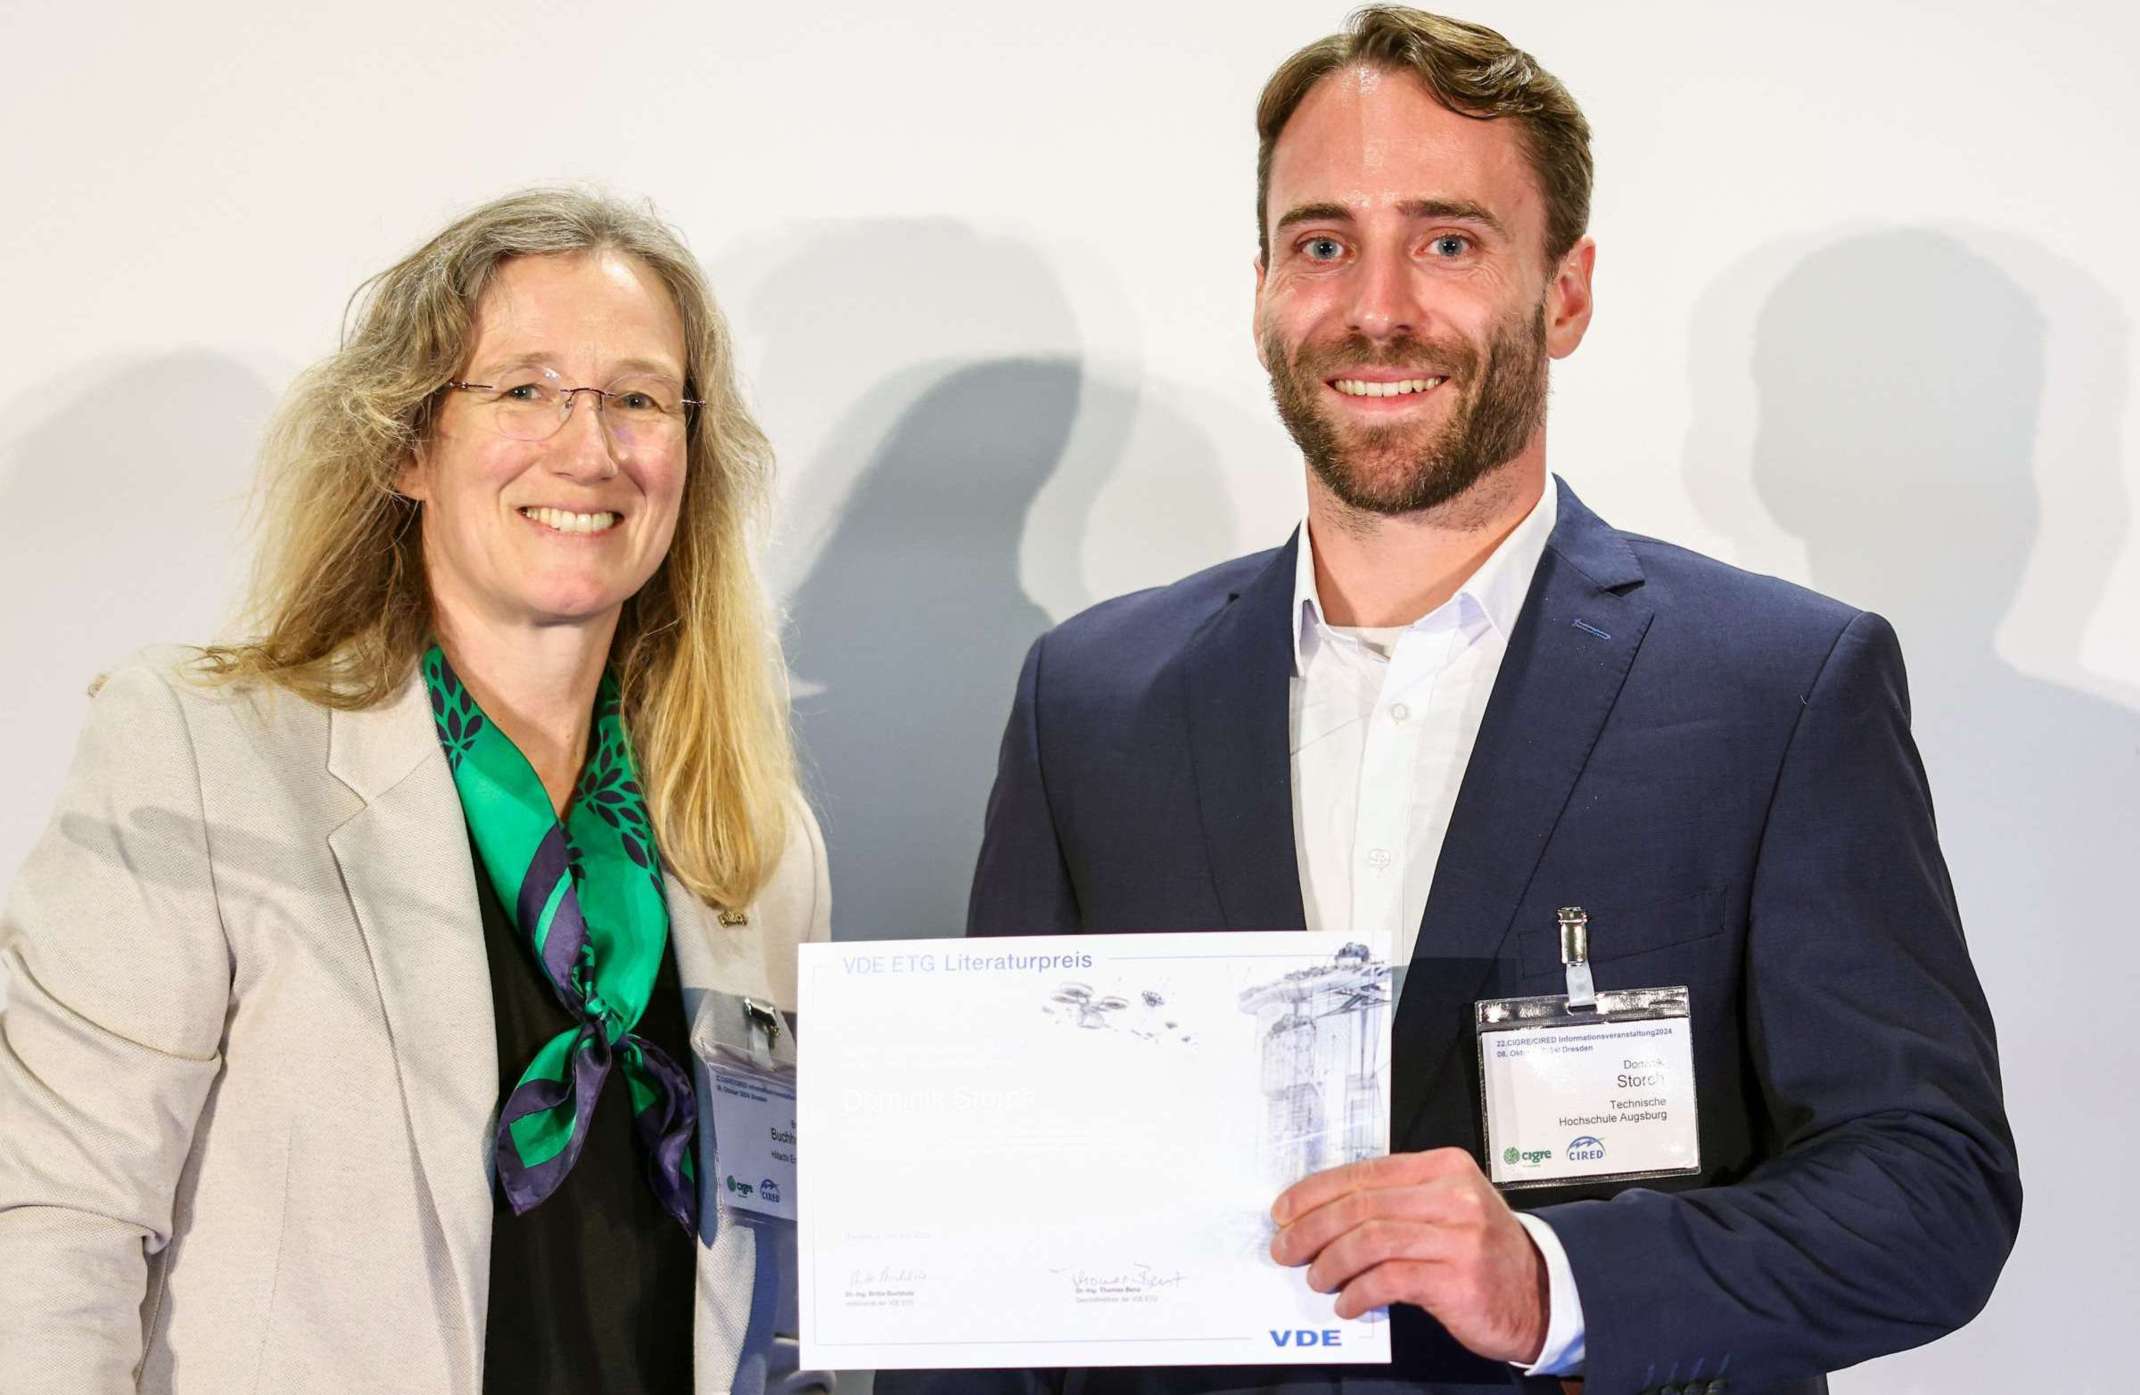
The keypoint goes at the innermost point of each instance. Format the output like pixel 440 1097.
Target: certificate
pixel 1062 1151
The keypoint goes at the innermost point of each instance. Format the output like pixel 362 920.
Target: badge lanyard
pixel 1587 1086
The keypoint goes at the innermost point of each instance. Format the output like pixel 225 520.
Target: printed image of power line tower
pixel 1322 1028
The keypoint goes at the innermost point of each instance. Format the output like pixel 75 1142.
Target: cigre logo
pixel 1585 1149
pixel 1527 1157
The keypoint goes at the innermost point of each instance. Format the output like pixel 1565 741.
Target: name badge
pixel 749 1052
pixel 753 1140
pixel 1605 1094
pixel 1587 1086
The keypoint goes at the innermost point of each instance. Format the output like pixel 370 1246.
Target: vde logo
pixel 1585 1149
pixel 1307 1337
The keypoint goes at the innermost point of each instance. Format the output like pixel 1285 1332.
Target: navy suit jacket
pixel 1718 767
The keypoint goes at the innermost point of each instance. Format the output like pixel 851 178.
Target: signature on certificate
pixel 1125 1281
pixel 883 1286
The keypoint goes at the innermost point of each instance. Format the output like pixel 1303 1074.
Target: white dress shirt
pixel 1382 725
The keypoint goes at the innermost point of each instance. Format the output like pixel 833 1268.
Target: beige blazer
pixel 248 1073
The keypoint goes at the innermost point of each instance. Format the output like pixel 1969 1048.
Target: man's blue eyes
pixel 1325 249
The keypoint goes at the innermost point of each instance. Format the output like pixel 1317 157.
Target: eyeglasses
pixel 642 413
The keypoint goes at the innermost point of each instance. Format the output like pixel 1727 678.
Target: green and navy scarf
pixel 586 894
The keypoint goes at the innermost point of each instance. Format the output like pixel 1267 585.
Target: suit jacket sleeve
pixel 119 980
pixel 1889 1197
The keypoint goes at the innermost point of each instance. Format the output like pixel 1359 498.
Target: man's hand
pixel 1420 1228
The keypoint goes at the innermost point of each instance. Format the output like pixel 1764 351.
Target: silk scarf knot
pixel 585 894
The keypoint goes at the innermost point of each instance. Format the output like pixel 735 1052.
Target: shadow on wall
pixel 855 320
pixel 126 487
pixel 1910 394
pixel 133 482
pixel 906 630
pixel 969 475
pixel 908 634
pixel 911 625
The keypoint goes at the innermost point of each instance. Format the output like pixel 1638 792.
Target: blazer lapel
pixel 1236 671
pixel 696 967
pixel 405 863
pixel 689 941
pixel 1581 625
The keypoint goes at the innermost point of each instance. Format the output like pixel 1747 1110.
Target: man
pixel 1457 700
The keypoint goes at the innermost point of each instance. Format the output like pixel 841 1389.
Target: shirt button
pixel 1399 712
pixel 1379 859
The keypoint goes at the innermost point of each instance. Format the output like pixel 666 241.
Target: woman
pixel 360 985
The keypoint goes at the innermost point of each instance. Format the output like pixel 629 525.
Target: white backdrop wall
pixel 1864 321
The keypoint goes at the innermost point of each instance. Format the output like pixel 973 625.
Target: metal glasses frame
pixel 570 397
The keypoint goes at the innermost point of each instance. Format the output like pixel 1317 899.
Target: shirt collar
pixel 1495 591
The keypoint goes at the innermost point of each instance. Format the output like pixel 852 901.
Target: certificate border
pixel 1243 1349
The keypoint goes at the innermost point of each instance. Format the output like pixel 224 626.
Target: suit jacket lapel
pixel 405 862
pixel 1571 649
pixel 1236 671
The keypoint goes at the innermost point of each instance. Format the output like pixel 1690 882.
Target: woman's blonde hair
pixel 339 601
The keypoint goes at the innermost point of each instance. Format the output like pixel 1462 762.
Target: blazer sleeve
pixel 1890 1196
pixel 1021 881
pixel 119 979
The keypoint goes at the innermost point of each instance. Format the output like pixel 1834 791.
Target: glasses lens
pixel 528 409
pixel 644 412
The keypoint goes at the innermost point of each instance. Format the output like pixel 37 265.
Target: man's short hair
pixel 1471 70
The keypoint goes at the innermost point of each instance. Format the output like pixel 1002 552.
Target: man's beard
pixel 1407 467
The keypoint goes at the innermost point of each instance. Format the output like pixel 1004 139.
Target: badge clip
pixel 764 1027
pixel 1575 956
